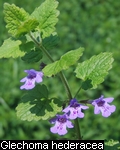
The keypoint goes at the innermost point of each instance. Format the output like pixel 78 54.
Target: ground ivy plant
pixel 32 35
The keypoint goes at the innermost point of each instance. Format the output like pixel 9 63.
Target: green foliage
pixel 65 61
pixel 46 14
pixel 51 41
pixel 11 48
pixel 112 145
pixel 27 26
pixel 18 20
pixel 36 105
pixel 26 46
pixel 33 56
pixel 80 24
pixel 87 84
pixel 95 69
pixel 14 17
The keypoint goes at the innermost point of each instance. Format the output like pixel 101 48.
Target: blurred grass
pixel 93 24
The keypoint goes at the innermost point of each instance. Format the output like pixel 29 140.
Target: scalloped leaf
pixel 11 48
pixel 95 69
pixel 14 17
pixel 35 105
pixel 65 61
pixel 33 56
pixel 46 14
pixel 18 20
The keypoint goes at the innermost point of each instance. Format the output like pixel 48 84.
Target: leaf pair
pixel 43 19
pixel 92 71
pixel 19 23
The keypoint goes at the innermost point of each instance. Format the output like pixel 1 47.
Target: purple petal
pixel 112 108
pixel 27 87
pixel 62 130
pixel 54 129
pixel 53 120
pixel 39 77
pixel 80 114
pixel 107 110
pixel 29 84
pixel 29 71
pixel 84 107
pixel 59 128
pixel 105 113
pixel 94 103
pixel 69 124
pixel 67 109
pixel 23 80
pixel 96 109
pixel 73 113
pixel 109 100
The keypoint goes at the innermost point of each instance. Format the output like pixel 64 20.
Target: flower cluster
pixel 73 110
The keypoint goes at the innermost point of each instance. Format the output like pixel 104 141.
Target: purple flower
pixel 101 105
pixel 33 76
pixel 74 109
pixel 61 122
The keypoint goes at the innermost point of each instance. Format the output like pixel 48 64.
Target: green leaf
pixel 95 69
pixel 33 56
pixel 65 61
pixel 10 48
pixel 18 20
pixel 51 41
pixel 112 145
pixel 46 14
pixel 35 105
pixel 70 58
pixel 87 84
pixel 27 46
pixel 14 17
pixel 26 27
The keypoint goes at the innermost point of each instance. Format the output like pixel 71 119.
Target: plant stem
pixel 77 91
pixel 77 127
pixel 64 80
pixel 60 74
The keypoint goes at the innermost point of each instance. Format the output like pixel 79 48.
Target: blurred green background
pixel 92 24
